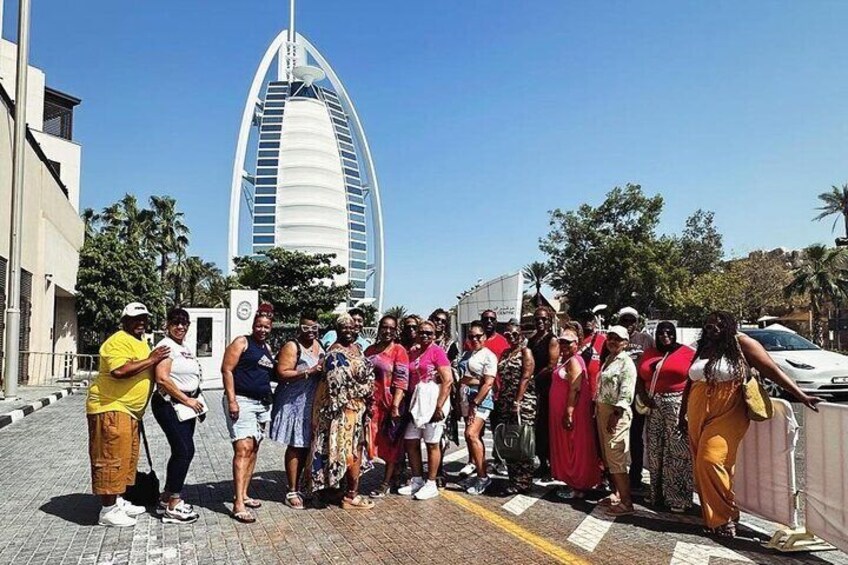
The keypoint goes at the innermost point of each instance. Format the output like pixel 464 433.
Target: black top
pixel 539 347
pixel 252 374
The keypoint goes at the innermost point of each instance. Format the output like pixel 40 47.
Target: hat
pixel 568 335
pixel 134 309
pixel 620 331
pixel 628 310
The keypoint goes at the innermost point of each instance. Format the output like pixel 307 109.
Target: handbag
pixel 145 491
pixel 515 442
pixel 757 399
pixel 185 413
pixel 640 406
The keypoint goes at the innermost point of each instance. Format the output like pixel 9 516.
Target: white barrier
pixel 765 468
pixel 826 488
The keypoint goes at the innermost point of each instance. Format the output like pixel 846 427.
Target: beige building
pixel 52 229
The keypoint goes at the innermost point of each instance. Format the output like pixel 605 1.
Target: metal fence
pixel 39 368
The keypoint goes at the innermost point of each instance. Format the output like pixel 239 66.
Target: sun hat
pixel 134 309
pixel 568 335
pixel 620 331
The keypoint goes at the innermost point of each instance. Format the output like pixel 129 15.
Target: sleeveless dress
pixel 391 371
pixel 574 452
pixel 539 347
pixel 291 417
pixel 510 369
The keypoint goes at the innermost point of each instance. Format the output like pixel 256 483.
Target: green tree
pixel 170 238
pixel 397 311
pixel 612 254
pixel 113 272
pixel 701 248
pixel 821 278
pixel 293 281
pixel 537 273
pixel 834 203
pixel 200 276
pixel 128 222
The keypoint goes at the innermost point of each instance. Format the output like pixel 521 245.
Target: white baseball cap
pixel 620 331
pixel 134 309
pixel 628 310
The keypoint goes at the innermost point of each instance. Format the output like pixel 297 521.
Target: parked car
pixel 815 370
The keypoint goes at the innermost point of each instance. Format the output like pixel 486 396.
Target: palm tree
pixel 126 220
pixel 835 202
pixel 822 278
pixel 169 233
pixel 397 311
pixel 91 219
pixel 538 273
pixel 199 275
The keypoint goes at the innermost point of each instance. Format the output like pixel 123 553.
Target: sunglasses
pixel 541 318
pixel 306 329
pixel 512 334
pixel 489 319
pixel 427 333
pixel 180 323
pixel 475 337
pixel 440 321
pixel 411 327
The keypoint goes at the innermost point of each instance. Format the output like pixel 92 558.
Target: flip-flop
pixel 245 517
pixel 252 503
pixel 291 497
pixel 619 510
pixel 381 491
pixel 608 501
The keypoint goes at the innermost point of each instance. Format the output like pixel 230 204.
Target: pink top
pixel 424 365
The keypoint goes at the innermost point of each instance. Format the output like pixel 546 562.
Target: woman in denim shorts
pixel 247 369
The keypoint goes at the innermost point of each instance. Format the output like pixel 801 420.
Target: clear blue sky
pixel 482 116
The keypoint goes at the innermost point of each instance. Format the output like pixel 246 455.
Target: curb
pixel 15 415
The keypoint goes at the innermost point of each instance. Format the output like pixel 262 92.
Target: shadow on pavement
pixel 78 508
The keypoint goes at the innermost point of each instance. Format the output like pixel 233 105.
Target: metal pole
pixel 291 50
pixel 13 305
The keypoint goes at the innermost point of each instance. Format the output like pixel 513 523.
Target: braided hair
pixel 726 346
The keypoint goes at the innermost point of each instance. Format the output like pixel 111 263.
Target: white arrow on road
pixel 695 554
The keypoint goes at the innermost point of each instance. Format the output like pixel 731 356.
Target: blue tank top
pixel 252 375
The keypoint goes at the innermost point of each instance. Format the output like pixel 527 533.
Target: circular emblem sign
pixel 243 310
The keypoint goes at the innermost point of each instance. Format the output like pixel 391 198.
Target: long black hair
pixel 726 346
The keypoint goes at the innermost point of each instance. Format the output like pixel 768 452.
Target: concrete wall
pixel 35 83
pixel 69 155
pixel 52 236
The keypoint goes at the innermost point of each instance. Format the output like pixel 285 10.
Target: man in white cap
pixel 115 405
pixel 640 341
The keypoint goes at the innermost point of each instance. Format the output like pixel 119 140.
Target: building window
pixel 273 112
pixel 358 265
pixel 269 144
pixel 354 190
pixel 269 154
pixel 346 146
pixel 263 239
pixel 357 218
pixel 356 208
pixel 263 219
pixel 258 248
pixel 272 120
pixel 350 156
pixel 266 163
pixel 345 138
pixel 264 210
pixel 58 117
pixel 275 104
pixel 265 200
pixel 266 180
pixel 271 127
pixel 204 337
pixel 357 236
pixel 269 136
pixel 266 172
pixel 266 190
pixel 263 229
pixel 358 245
pixel 352 173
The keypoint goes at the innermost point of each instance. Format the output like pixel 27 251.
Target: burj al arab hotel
pixel 304 170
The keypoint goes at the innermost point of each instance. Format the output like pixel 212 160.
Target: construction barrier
pixel 765 481
pixel 826 487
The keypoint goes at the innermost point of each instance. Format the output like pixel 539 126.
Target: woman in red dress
pixel 574 453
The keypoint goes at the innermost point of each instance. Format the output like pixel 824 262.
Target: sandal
pixel 245 517
pixel 381 491
pixel 294 500
pixel 621 510
pixel 251 503
pixel 609 501
pixel 357 503
pixel 727 531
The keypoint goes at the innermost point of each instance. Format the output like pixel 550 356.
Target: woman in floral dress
pixel 342 417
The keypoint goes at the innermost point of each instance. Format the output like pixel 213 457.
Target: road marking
pixel 456 455
pixel 554 551
pixel 521 502
pixel 696 554
pixel 592 529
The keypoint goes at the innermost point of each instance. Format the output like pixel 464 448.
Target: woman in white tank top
pixel 714 405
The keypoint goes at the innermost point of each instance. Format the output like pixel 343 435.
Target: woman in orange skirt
pixel 714 405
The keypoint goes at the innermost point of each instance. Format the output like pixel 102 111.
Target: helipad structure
pixel 304 169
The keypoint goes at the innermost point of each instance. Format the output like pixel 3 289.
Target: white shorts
pixel 430 433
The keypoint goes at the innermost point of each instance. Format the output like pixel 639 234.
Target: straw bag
pixel 757 399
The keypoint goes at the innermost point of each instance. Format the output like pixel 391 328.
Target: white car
pixel 815 370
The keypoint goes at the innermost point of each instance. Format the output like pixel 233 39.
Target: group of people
pixel 597 401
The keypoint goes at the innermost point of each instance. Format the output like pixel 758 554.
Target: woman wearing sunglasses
pixel 574 455
pixel 391 379
pixel 663 372
pixel 298 371
pixel 517 399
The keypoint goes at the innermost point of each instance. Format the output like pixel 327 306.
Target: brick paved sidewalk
pixel 49 517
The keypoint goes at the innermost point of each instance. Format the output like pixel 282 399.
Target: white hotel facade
pixel 304 169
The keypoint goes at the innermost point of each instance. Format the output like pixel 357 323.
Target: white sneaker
pixel 468 470
pixel 129 508
pixel 115 516
pixel 414 486
pixel 182 513
pixel 428 491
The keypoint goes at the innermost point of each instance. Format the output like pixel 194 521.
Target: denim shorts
pixel 252 418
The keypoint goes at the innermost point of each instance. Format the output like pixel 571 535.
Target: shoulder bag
pixel 145 491
pixel 640 406
pixel 757 399
pixel 515 442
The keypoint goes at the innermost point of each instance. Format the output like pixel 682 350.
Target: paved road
pixel 48 516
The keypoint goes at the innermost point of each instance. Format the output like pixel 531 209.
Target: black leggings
pixel 180 436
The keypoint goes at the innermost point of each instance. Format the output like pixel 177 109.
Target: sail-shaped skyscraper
pixel 304 169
